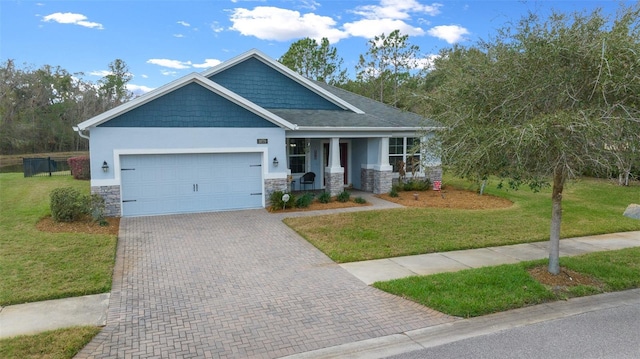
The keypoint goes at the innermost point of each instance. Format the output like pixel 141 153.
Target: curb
pixel 468 328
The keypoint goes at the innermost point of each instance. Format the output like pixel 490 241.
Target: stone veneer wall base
pixel 382 181
pixel 274 185
pixel 366 179
pixel 334 183
pixel 111 195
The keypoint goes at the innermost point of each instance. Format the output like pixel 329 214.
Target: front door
pixel 344 163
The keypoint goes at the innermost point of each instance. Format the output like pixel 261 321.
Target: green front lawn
pixel 590 207
pixel 481 291
pixel 37 265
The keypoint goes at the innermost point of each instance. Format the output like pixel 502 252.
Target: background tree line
pixel 39 107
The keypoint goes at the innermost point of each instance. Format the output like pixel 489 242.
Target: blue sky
pixel 163 40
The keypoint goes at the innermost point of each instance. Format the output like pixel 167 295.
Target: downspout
pixel 79 131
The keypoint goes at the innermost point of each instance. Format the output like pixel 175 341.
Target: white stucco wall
pixel 108 143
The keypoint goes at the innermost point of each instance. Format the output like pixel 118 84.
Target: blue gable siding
pixel 268 88
pixel 189 106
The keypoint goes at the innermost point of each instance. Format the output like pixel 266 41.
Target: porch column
pixel 383 171
pixel 334 173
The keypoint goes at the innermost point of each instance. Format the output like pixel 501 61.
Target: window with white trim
pixel 297 155
pixel 407 150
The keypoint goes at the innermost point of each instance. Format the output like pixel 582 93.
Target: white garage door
pixel 185 183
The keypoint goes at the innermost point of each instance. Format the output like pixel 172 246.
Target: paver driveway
pixel 237 284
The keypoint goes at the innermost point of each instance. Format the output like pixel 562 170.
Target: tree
pixel 318 62
pixel 113 87
pixel 387 63
pixel 542 102
pixel 39 107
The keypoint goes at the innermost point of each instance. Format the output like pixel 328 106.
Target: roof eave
pixel 367 129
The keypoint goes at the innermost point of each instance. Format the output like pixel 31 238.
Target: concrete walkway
pixel 33 318
pixel 425 264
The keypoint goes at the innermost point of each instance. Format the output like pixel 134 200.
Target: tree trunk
pixel 556 219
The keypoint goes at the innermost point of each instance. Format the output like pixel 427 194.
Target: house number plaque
pixel 263 141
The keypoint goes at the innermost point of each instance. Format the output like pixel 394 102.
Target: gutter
pixel 80 132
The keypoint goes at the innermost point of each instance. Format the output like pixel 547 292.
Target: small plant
pixel 278 203
pixel 96 208
pixel 304 201
pixel 394 192
pixel 68 204
pixel 324 197
pixel 360 200
pixel 417 185
pixel 344 196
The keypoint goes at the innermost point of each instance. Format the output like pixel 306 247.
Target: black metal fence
pixel 49 166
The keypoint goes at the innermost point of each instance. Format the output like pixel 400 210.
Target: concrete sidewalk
pixel 33 318
pixel 425 264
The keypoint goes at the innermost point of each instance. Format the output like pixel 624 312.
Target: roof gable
pixel 189 106
pixel 205 83
pixel 263 85
pixel 273 85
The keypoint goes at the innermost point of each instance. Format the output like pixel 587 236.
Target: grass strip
pixel 58 344
pixel 476 292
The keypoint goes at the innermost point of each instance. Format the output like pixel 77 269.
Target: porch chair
pixel 308 178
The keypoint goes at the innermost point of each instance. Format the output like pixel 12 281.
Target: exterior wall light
pixel 105 166
pixel 275 162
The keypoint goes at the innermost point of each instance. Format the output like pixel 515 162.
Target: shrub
pixel 394 192
pixel 417 185
pixel 325 197
pixel 80 167
pixel 68 204
pixel 344 196
pixel 277 203
pixel 360 200
pixel 304 201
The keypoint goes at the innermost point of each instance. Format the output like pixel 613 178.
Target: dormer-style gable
pixel 270 84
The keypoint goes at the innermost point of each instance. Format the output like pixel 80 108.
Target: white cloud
pixel 101 73
pixel 168 72
pixel 272 23
pixel 215 27
pixel 144 76
pixel 397 9
pixel 309 4
pixel 139 89
pixel 449 33
pixel 173 64
pixel 207 63
pixel 368 28
pixel 427 62
pixel 184 23
pixel 178 36
pixel 71 18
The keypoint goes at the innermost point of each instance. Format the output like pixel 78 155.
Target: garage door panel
pixel 181 183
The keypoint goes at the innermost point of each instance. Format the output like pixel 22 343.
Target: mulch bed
pixel 564 280
pixel 448 198
pixel 89 226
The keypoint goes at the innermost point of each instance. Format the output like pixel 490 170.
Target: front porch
pixel 359 163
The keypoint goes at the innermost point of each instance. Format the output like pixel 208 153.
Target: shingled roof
pixel 376 114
